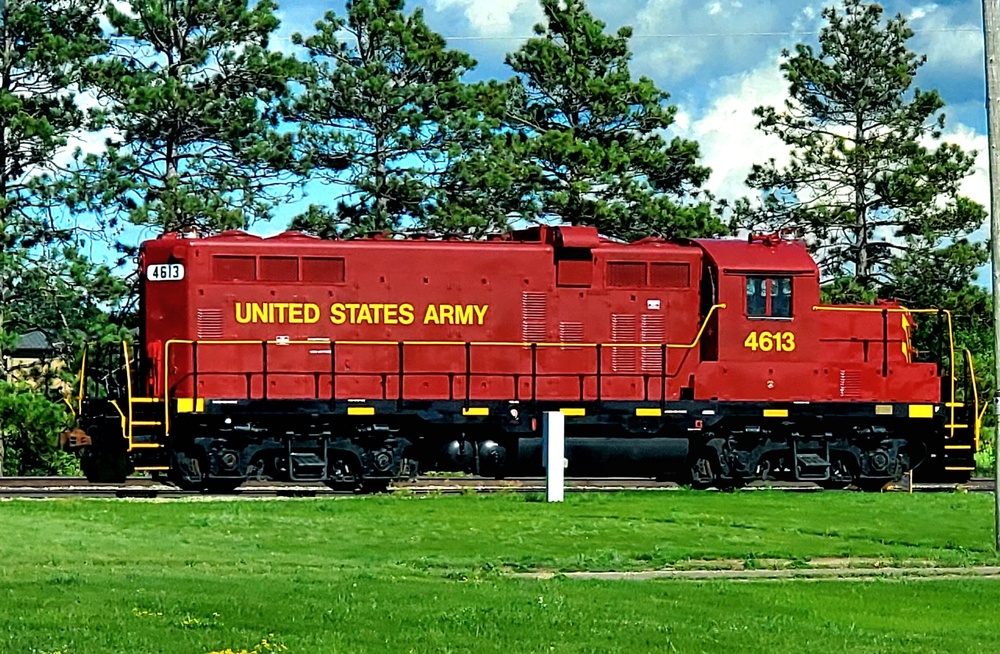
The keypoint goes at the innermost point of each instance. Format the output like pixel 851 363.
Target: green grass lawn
pixel 431 574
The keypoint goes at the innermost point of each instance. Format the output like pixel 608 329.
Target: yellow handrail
pixel 128 391
pixel 327 341
pixel 977 416
pixel 71 409
pixel 83 381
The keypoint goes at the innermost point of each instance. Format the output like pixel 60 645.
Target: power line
pixel 666 35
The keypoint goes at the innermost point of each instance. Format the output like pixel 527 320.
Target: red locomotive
pixel 358 362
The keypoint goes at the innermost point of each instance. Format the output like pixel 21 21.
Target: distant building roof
pixel 33 344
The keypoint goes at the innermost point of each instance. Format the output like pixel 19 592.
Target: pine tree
pixel 190 90
pixel 583 142
pixel 46 284
pixel 863 185
pixel 381 116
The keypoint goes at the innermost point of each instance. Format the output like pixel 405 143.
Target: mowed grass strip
pixel 165 610
pixel 601 531
pixel 429 574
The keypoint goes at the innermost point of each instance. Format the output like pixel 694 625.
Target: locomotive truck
pixel 358 362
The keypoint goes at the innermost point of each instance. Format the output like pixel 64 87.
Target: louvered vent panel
pixel 533 317
pixel 570 332
pixel 850 383
pixel 209 323
pixel 622 331
pixel 670 275
pixel 652 332
pixel 626 274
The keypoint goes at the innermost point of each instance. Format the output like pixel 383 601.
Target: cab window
pixel 769 297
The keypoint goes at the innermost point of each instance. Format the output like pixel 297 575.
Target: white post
pixel 554 454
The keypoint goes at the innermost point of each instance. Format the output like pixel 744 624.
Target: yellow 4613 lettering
pixel 770 341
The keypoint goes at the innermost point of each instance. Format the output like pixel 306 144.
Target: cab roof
pixel 772 256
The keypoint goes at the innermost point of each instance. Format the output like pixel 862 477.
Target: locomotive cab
pixel 769 288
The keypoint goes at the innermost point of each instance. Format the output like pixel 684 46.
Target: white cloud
pixel 678 40
pixel 726 131
pixel 495 17
pixel 977 185
pixel 950 41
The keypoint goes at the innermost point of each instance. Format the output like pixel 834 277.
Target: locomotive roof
pixel 559 236
pixel 736 255
pixel 729 255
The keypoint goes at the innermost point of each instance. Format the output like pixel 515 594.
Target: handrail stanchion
pixel 598 376
pixel 194 367
pixel 534 377
pixel 468 374
pixel 333 374
pixel 885 343
pixel 399 400
pixel 663 376
pixel 263 361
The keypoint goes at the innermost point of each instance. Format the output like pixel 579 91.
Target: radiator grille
pixel 652 332
pixel 533 317
pixel 626 273
pixel 622 331
pixel 850 383
pixel 670 275
pixel 209 323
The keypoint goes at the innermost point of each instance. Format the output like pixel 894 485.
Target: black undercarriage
pixel 365 446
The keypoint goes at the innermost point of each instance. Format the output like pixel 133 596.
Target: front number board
pixel 165 272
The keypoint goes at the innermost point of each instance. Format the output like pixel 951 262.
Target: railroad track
pixel 46 487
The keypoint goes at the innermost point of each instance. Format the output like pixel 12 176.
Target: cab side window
pixel 769 297
pixel 781 297
pixel 756 296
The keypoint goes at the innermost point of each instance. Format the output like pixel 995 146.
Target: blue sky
pixel 717 58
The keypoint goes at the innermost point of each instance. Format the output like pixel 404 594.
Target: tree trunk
pixel 861 265
pixel 381 204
